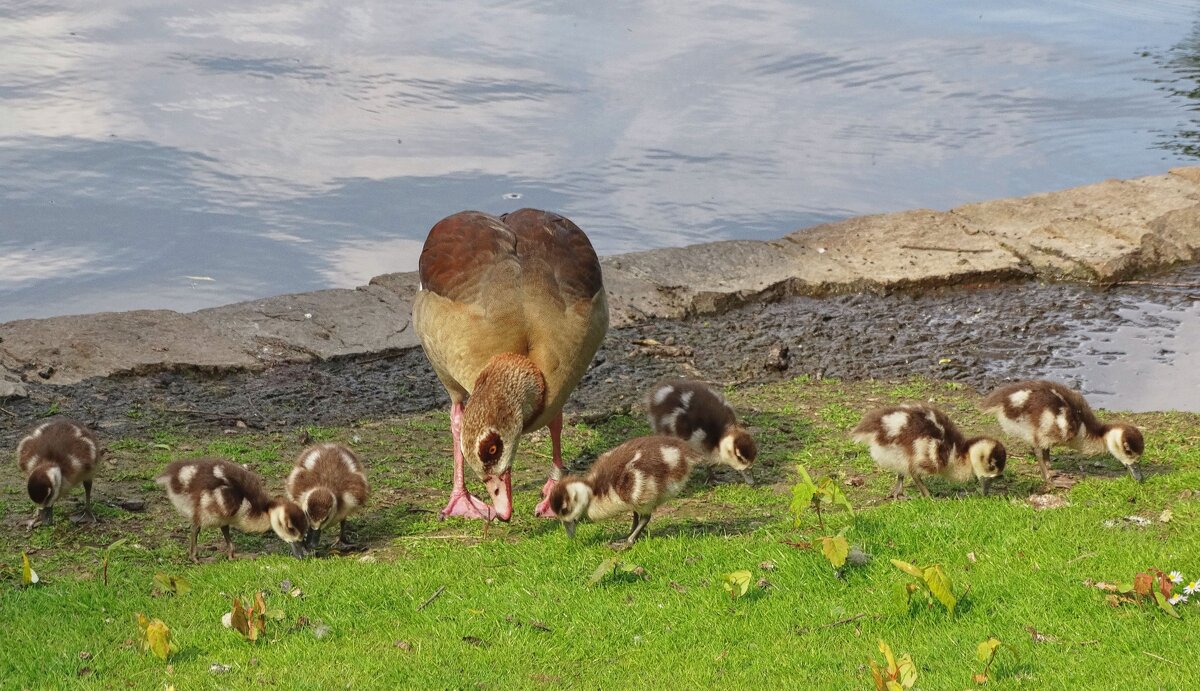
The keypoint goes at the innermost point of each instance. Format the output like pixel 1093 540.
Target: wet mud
pixel 978 335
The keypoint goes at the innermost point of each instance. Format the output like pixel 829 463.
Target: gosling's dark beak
pixel 46 515
pixel 569 526
pixel 984 483
pixel 747 477
pixel 314 538
pixel 298 549
pixel 1137 474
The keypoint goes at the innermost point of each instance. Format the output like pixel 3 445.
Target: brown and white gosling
pixel 55 458
pixel 918 440
pixel 639 476
pixel 216 492
pixel 697 413
pixel 328 482
pixel 1046 414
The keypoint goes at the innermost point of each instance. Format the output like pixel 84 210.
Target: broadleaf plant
pixel 807 493
pixel 931 582
pixel 737 583
pixel 894 675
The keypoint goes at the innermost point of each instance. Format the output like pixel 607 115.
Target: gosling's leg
pixel 192 543
pixel 228 540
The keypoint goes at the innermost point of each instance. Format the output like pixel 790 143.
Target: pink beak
pixel 500 490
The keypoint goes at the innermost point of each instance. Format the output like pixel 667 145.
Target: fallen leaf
pixel 84 655
pixel 980 678
pixel 1043 502
pixel 767 566
pixel 1039 637
pixel 677 588
pixel 475 641
pixel 28 575
pixel 403 645
pixel 540 626
pixel 1165 516
pixel 971 557
pixel 855 481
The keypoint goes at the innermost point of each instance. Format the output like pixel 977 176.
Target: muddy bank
pixel 977 335
pixel 1099 233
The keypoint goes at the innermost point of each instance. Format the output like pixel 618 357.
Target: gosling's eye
pixel 492 450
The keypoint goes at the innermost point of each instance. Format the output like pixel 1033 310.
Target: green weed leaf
pixel 987 649
pixel 606 567
pixel 156 637
pixel 1165 605
pixel 176 585
pixel 908 569
pixel 941 587
pixel 737 583
pixel 835 549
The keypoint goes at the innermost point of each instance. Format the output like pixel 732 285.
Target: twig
pixel 7 411
pixel 1157 284
pixel 1159 657
pixel 438 537
pixel 847 620
pixel 1082 556
pixel 943 249
pixel 433 597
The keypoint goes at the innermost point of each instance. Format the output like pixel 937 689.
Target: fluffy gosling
pixel 55 458
pixel 697 413
pixel 216 492
pixel 328 482
pixel 916 440
pixel 1046 414
pixel 639 476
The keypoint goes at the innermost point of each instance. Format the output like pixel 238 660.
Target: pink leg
pixel 461 502
pixel 543 509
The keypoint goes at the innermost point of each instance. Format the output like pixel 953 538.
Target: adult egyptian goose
pixel 216 492
pixel 54 458
pixel 700 415
pixel 1046 414
pixel 328 482
pixel 510 311
pixel 917 440
pixel 639 476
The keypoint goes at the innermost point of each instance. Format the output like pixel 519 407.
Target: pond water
pixel 182 154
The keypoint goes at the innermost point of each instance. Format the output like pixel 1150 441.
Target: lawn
pixel 455 605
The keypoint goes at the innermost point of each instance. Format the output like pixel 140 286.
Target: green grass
pixel 517 609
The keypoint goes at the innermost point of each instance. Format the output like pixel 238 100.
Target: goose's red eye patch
pixel 490 448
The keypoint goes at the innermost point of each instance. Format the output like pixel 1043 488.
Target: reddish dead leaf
pixel 678 588
pixel 980 678
pixel 475 641
pixel 802 544
pixel 1102 585
pixel 1143 583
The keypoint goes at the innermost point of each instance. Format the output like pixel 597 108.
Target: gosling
pixel 216 492
pixel 328 482
pixel 55 458
pixel 917 440
pixel 1046 414
pixel 639 476
pixel 700 415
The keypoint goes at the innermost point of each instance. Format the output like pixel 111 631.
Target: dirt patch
pixel 977 335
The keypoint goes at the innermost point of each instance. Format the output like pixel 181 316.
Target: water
pixel 180 155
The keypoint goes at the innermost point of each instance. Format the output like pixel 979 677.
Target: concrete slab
pixel 318 325
pixel 66 350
